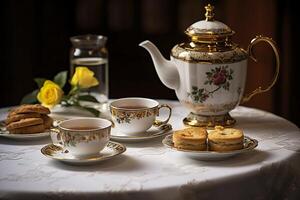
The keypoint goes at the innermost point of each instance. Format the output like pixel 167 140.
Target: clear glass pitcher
pixel 90 51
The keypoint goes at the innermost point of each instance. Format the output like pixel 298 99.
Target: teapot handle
pixel 254 41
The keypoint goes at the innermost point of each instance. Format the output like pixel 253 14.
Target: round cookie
pixel 11 112
pixel 28 130
pixel 225 139
pixel 193 138
pixel 24 123
pixel 36 108
pixel 48 121
pixel 18 117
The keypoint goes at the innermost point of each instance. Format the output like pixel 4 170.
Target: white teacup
pixel 82 136
pixel 136 115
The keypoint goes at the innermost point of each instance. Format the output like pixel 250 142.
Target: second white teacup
pixel 136 115
pixel 82 136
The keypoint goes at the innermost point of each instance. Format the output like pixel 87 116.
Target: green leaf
pixel 194 88
pixel 73 90
pixel 92 110
pixel 88 98
pixel 61 78
pixel 40 81
pixel 30 98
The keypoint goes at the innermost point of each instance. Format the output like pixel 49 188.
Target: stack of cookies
pixel 225 139
pixel 193 138
pixel 220 139
pixel 28 119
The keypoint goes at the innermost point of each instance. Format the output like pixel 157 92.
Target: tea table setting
pixel 79 144
pixel 149 170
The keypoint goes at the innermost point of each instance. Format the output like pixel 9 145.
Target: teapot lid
pixel 209 30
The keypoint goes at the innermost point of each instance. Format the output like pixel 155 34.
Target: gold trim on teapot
pixel 209 71
pixel 209 42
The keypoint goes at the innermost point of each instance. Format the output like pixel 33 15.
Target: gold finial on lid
pixel 209 12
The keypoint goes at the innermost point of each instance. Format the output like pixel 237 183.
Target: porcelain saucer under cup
pixel 136 115
pixel 82 137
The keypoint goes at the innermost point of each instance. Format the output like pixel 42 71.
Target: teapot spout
pixel 166 69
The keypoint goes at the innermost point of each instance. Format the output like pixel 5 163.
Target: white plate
pixel 249 144
pixel 112 150
pixel 34 136
pixel 153 132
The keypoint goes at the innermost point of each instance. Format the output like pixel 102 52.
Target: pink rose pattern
pixel 219 77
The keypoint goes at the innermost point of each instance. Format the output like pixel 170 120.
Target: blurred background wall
pixel 35 43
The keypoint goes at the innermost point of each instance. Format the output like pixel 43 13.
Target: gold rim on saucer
pixel 153 132
pixel 249 144
pixel 55 152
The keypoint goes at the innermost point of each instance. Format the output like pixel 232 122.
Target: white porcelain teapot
pixel 209 71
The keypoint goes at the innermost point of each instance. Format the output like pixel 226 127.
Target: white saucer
pixel 249 144
pixel 112 150
pixel 34 136
pixel 151 133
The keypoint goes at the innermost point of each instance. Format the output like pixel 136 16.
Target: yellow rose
pixel 84 78
pixel 50 94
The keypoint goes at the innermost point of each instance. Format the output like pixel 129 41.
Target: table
pixel 148 170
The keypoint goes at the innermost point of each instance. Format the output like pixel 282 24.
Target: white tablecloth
pixel 148 170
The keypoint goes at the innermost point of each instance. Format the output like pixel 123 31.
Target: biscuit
pixel 28 130
pixel 18 117
pixel 36 108
pixel 193 138
pixel 225 139
pixel 11 112
pixel 24 123
pixel 48 121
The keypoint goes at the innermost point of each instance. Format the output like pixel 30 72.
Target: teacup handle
pixel 158 122
pixel 259 90
pixel 56 137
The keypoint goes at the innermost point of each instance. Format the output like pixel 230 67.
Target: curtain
pixel 36 43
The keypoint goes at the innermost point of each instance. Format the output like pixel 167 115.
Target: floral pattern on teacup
pixel 72 139
pixel 123 116
pixel 219 77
